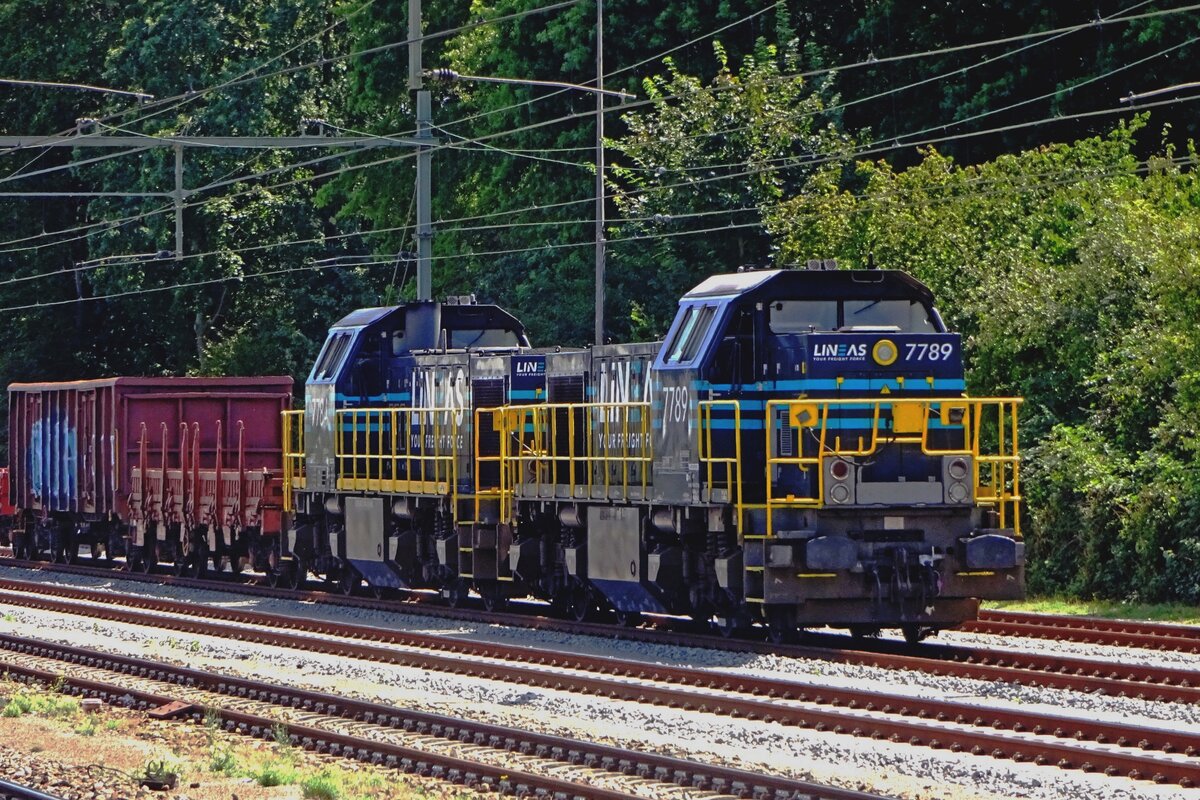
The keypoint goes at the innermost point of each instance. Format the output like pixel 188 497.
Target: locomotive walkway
pixel 1067 742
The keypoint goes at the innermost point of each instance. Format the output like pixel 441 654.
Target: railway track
pixel 16 791
pixel 1088 630
pixel 1021 735
pixel 444 733
pixel 1163 684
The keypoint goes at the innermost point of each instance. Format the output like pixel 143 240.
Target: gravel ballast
pixel 850 761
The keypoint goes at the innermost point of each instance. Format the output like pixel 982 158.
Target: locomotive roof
pixel 847 284
pixel 451 314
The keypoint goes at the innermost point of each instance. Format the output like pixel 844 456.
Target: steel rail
pixel 599 756
pixel 16 791
pixel 857 710
pixel 1088 630
pixel 456 770
pixel 1161 684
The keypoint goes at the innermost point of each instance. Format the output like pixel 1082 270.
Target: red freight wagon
pixel 172 469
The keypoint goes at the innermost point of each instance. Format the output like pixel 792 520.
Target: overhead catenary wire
pixel 1033 183
pixel 758 224
pixel 108 225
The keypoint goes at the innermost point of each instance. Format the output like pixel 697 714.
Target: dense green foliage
pixel 1065 251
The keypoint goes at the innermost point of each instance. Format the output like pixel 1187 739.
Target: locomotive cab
pixel 354 485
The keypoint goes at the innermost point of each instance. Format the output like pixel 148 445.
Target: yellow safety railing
pixel 411 450
pixel 575 450
pixel 721 471
pixel 293 456
pixel 502 491
pixel 989 441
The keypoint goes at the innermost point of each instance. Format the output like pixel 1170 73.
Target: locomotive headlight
pixel 957 493
pixel 840 493
pixel 957 469
pixel 885 352
pixel 839 470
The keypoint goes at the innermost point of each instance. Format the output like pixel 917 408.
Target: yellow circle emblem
pixel 885 352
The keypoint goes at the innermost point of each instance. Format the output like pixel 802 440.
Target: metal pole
pixel 178 202
pixel 600 172
pixel 424 186
pixel 414 45
pixel 424 201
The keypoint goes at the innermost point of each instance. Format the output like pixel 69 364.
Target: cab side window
pixel 733 362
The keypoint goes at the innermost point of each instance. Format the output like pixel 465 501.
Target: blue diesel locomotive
pixel 798 451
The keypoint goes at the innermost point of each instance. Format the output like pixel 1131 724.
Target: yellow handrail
pixel 731 479
pixel 293 456
pixel 1000 486
pixel 413 450
pixel 610 456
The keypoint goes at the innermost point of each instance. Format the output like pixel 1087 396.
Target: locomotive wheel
pixel 781 625
pixel 456 593
pixel 296 575
pixel 21 547
pixel 913 633
pixel 493 596
pixel 629 619
pixel 349 582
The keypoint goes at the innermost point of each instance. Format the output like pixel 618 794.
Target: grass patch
pixel 1108 609
pixel 274 773
pixel 325 785
pixel 52 706
pixel 88 726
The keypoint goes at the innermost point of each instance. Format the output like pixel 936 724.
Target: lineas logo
pixel 841 351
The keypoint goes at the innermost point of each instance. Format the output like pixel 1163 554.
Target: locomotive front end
pixel 887 497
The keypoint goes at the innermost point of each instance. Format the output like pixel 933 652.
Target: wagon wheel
pixel 147 559
pixel 100 554
pixel 729 627
pixel 581 605
pixel 862 632
pixel 198 560
pixel 179 566
pixel 781 624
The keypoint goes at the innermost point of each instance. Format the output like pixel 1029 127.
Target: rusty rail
pixel 598 756
pixel 917 721
pixel 1089 630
